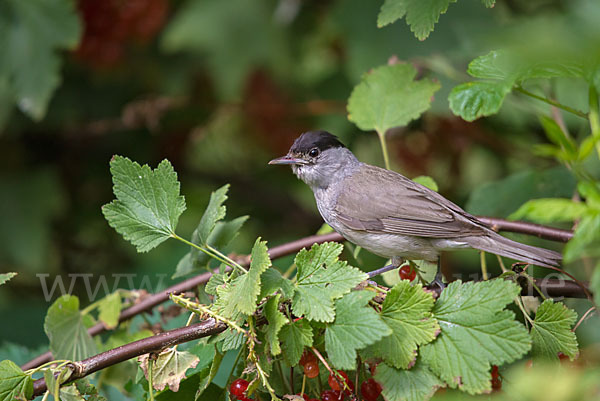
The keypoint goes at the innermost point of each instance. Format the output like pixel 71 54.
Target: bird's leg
pixel 396 262
pixel 438 280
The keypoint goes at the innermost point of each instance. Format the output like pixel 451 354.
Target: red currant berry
pixel 496 380
pixel 311 369
pixel 334 382
pixel 330 395
pixel 370 389
pixel 238 387
pixel 303 395
pixel 406 272
pixel 306 357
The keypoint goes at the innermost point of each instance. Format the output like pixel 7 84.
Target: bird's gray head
pixel 318 158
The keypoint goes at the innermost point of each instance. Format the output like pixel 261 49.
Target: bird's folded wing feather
pixel 382 201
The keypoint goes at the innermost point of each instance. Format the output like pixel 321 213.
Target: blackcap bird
pixel 389 214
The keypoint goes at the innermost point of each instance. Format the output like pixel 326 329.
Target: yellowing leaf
pixel 168 368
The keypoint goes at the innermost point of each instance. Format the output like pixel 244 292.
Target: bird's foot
pixel 437 283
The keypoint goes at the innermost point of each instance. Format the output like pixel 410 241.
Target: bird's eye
pixel 314 152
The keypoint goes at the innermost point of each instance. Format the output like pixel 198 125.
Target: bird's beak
pixel 287 159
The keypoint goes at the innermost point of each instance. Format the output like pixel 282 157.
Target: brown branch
pixel 286 249
pixel 551 233
pixel 147 345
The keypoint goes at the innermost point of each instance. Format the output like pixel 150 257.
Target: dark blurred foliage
pixel 219 88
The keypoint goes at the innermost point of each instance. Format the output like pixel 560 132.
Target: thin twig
pixel 552 102
pixel 585 315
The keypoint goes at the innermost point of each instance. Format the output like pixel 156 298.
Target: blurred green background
pixel 219 88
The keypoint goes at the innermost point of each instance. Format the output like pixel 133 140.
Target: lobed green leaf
pixel 295 336
pixel 551 331
pixel 14 384
pixel 241 295
pixel 472 100
pixel 65 328
pixel 148 203
pixel 407 311
pixel 320 280
pixel 416 384
pixel 356 325
pixel 472 314
pixel 389 97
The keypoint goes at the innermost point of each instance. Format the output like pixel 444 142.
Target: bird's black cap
pixel 315 139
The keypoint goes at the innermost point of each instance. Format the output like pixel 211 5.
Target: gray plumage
pixel 389 214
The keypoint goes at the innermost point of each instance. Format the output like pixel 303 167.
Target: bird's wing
pixel 382 201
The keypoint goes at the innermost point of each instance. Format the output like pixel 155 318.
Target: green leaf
pixel 276 321
pixel 590 191
pixel 473 313
pixel 389 97
pixel 321 279
pixel 13 382
pixel 4 277
pixel 426 181
pixel 557 136
pixel 472 100
pixel 241 295
pixel 168 368
pixel 294 337
pixel 551 331
pixel 214 212
pixel 356 325
pixel 216 280
pixel 502 70
pixel 550 210
pixel 407 311
pixel 214 368
pixel 148 203
pixel 110 309
pixel 421 15
pixel 585 238
pixel 65 329
pixel 272 281
pixel 32 33
pixel 416 384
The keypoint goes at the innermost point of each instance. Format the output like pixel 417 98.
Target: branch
pixel 537 230
pixel 147 345
pixel 550 287
pixel 289 248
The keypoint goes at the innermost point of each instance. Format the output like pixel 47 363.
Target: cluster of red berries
pixel 238 389
pixel 110 24
pixel 340 384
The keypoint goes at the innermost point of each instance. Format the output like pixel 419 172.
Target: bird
pixel 390 215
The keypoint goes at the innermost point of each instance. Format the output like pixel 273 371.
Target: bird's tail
pixel 499 245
